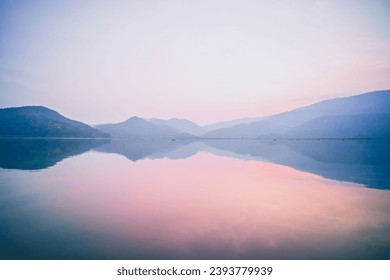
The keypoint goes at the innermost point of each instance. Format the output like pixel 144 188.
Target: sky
pixel 207 61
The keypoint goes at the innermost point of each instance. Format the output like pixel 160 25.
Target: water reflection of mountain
pixel 364 162
pixel 140 148
pixel 35 154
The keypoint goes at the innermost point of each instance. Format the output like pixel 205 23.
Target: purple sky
pixel 104 61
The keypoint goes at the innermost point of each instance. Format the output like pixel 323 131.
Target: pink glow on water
pixel 207 205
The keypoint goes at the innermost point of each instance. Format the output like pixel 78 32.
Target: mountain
pixel 181 124
pixel 194 129
pixel 224 124
pixel 137 127
pixel 346 126
pixel 39 121
pixel 280 125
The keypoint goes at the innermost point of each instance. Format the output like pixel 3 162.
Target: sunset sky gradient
pixel 104 61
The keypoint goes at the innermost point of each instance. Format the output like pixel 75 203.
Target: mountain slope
pixel 39 121
pixel 230 123
pixel 181 124
pixel 377 102
pixel 137 127
pixel 347 126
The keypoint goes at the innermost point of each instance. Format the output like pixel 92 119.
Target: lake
pixel 150 198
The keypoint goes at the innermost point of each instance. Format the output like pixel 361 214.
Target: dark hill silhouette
pixel 39 121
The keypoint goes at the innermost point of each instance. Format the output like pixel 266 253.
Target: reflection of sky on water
pixel 105 206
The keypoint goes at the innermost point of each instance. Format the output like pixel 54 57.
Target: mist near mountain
pixel 224 124
pixel 360 116
pixel 280 125
pixel 137 127
pixel 346 126
pixel 181 124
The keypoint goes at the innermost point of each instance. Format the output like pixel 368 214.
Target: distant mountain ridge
pixel 359 116
pixel 345 126
pixel 39 121
pixel 224 124
pixel 181 124
pixel 287 123
pixel 137 127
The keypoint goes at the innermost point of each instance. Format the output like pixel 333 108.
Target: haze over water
pixel 190 200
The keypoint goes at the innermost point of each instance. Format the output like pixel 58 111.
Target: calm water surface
pixel 164 199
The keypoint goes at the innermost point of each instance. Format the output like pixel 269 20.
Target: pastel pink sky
pixel 104 61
